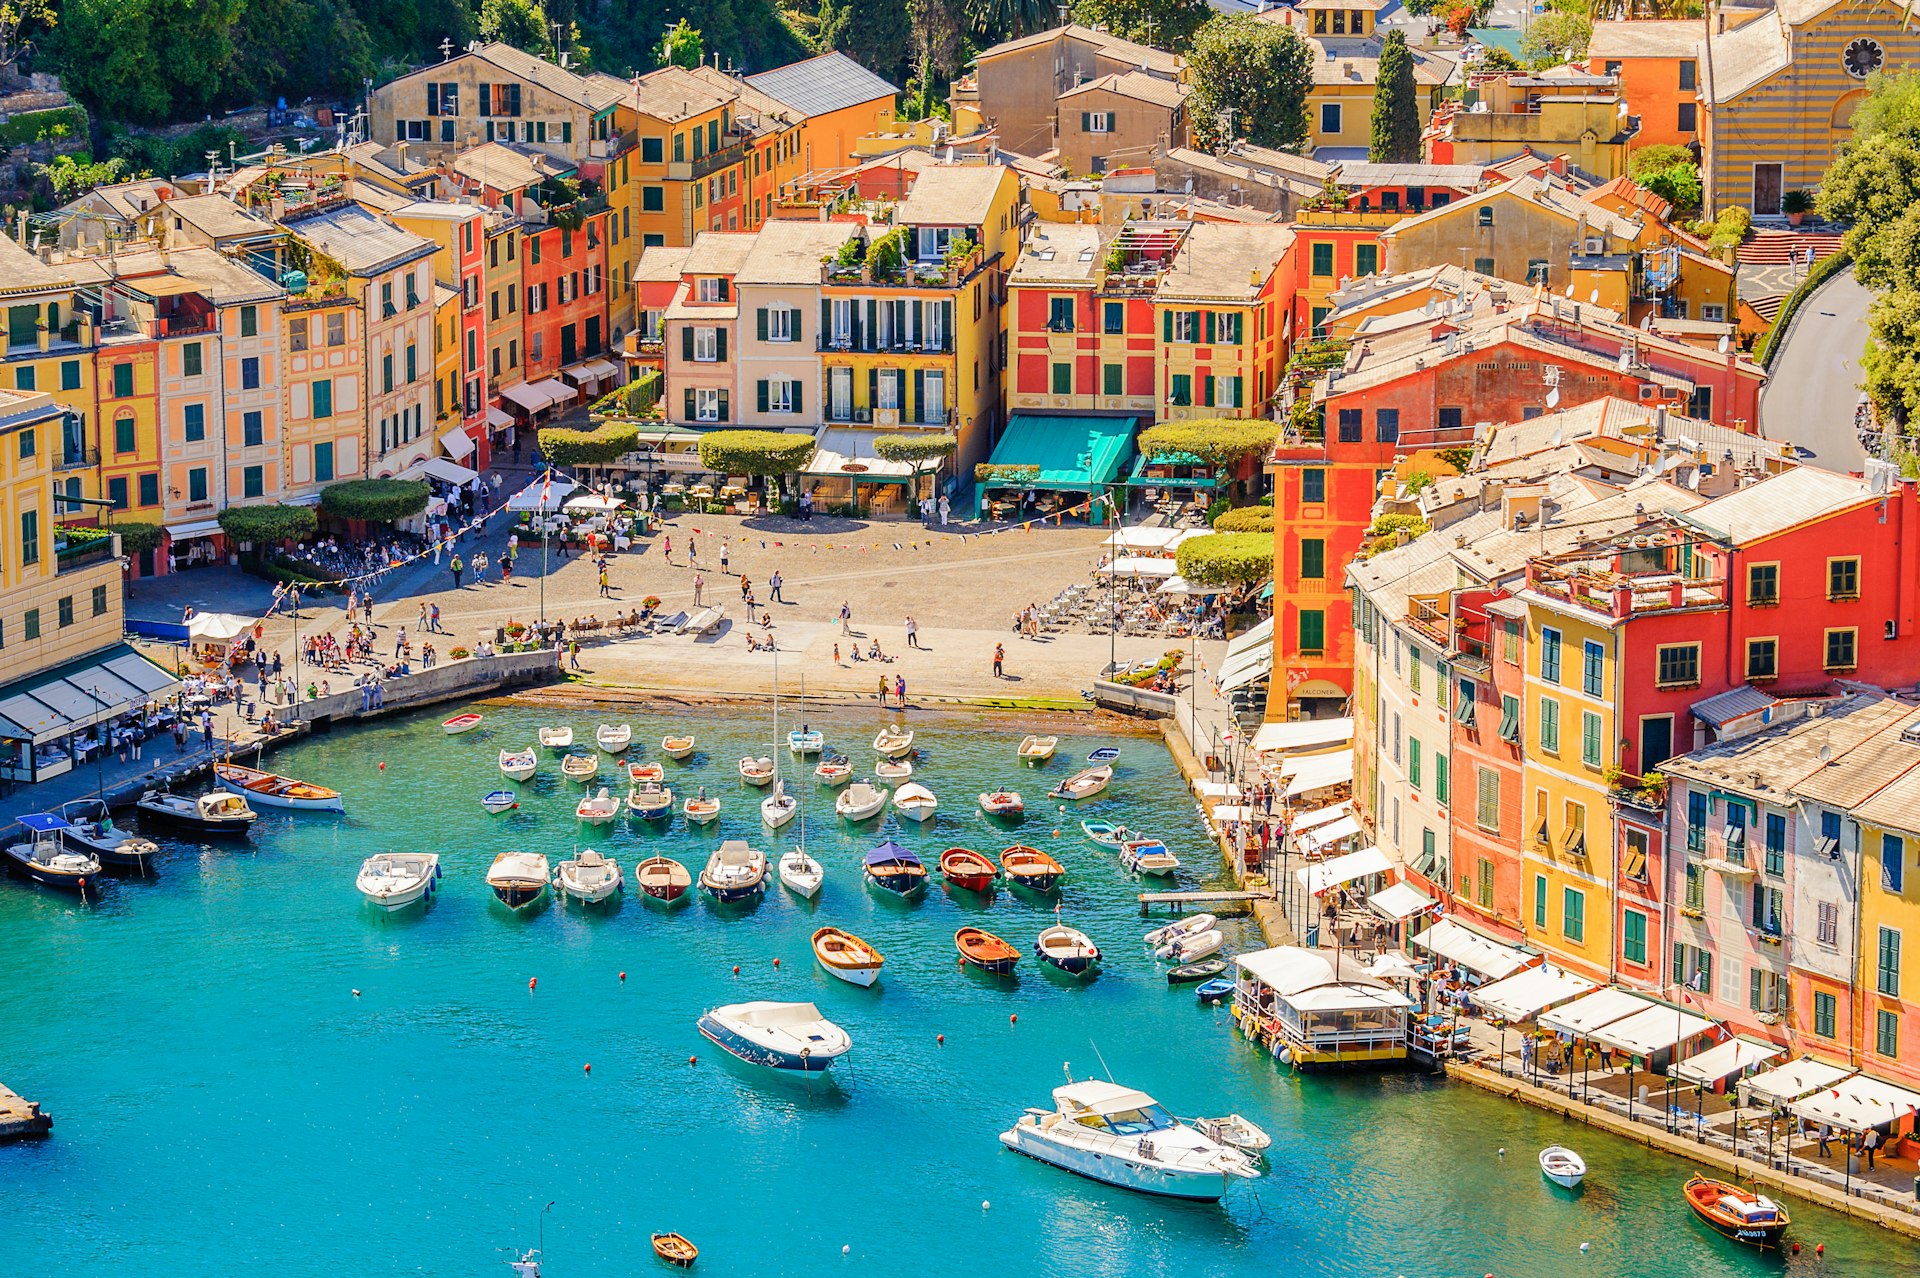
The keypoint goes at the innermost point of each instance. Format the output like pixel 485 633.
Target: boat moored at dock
pixel 217 815
pixel 518 879
pixel 271 790
pixel 90 829
pixel 44 858
pixel 1739 1214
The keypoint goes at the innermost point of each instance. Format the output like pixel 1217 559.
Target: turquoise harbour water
pixel 225 1105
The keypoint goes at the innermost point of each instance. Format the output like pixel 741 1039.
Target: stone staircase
pixel 1776 248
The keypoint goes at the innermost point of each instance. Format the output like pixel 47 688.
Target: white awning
pixel 1249 657
pixel 1857 1103
pixel 1320 816
pixel 194 528
pixel 53 704
pixel 1178 585
pixel 1343 869
pixel 1343 996
pixel 1286 969
pixel 497 419
pixel 1311 841
pixel 458 444
pixel 580 373
pixel 1134 566
pixel 1653 1029
pixel 556 391
pixel 532 497
pixel 1140 537
pixel 1471 950
pixel 1793 1080
pixel 1394 965
pixel 1318 771
pixel 1399 901
pixel 447 472
pixel 1731 1057
pixel 526 396
pixel 593 503
pixel 1530 991
pixel 1216 789
pixel 1597 1010
pixel 603 368
pixel 840 453
pixel 216 626
pixel 1302 734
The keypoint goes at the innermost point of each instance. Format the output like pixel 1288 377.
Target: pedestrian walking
pixel 1826 1135
pixel 506 570
pixel 605 589
pixel 422 623
pixel 900 690
pixel 999 660
pixel 366 605
pixel 846 618
pixel 353 601
pixel 179 736
pixel 913 634
pixel 726 553
pixel 944 507
pixel 458 568
pixel 436 620
pixel 480 565
pixel 666 547
pixel 883 690
pixel 836 654
pixel 746 589
pixel 699 584
pixel 400 643
pixel 693 552
pixel 206 728
pixel 573 653
pixel 1869 1142
pixel 773 587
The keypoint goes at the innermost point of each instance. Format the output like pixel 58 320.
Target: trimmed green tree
pixel 378 500
pixel 759 453
pixel 1214 441
pixel 1396 112
pixel 1250 77
pixel 268 523
pixel 137 537
pixel 1245 519
pixel 1226 559
pixel 599 446
pixel 915 449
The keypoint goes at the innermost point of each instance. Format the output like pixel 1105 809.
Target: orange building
pixel 1657 65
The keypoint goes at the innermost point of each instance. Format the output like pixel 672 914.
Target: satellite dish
pixel 1726 340
pixel 1594 296
pixel 1826 753
pixel 1559 436
pixel 1553 401
pixel 1569 290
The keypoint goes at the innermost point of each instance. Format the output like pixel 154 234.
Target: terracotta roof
pixel 789 252
pixel 1137 85
pixel 503 168
pixel 553 79
pixel 1542 194
pixel 217 216
pixel 1625 188
pixel 1140 55
pixel 672 94
pixel 364 244
pixel 1783 502
pixel 1224 262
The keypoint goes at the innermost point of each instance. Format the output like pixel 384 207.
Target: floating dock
pixel 21 1119
pixel 1150 899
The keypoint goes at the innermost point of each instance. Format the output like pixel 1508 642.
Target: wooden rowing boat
pixel 460 723
pixel 847 956
pixel 662 879
pixel 675 1250
pixel 1038 749
pixel 676 747
pixel 1084 784
pixel 985 951
pixel 967 869
pixel 641 773
pixel 271 790
pixel 1736 1213
pixel 1031 868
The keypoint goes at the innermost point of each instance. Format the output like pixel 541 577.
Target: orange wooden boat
pixel 967 869
pixel 1031 868
pixel 1736 1213
pixel 675 1250
pixel 985 951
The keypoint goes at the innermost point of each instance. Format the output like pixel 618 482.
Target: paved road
pixel 1815 379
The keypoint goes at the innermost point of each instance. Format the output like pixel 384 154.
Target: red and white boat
pixel 1002 803
pixel 965 868
pixel 460 723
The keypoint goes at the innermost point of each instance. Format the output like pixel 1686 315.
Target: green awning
pixel 1139 479
pixel 1080 454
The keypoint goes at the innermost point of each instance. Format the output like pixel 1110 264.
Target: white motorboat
pixel 895 742
pixel 788 1036
pixel 1038 749
pixel 556 738
pixel 915 802
pixel 1067 948
pixel 1084 784
pixel 734 872
pixel 1193 923
pixel 395 880
pixel 859 801
pixel 44 859
pixel 835 771
pixel 614 738
pixel 700 809
pixel 216 814
pixel 598 809
pixel 650 800
pixel 1148 856
pixel 1241 1133
pixel 518 765
pixel 1562 1166
pixel 893 769
pixel 90 829
pixel 804 741
pixel 518 879
pixel 801 874
pixel 588 877
pixel 779 807
pixel 1124 1137
pixel 1193 946
pixel 756 771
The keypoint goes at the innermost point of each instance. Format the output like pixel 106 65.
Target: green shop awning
pixel 1081 454
pixel 1139 479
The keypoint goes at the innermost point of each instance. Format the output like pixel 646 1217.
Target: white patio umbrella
pixel 214 626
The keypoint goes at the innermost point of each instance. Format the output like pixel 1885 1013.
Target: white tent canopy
pixel 1249 657
pixel 1399 901
pixel 1654 1028
pixel 458 443
pixel 1139 537
pixel 1302 734
pixel 1857 1103
pixel 1311 842
pixel 1320 816
pixel 1601 1008
pixel 1133 566
pixel 1730 1057
pixel 593 503
pixel 1394 965
pixel 214 626
pixel 529 498
pixel 1793 1080
pixel 1178 585
pixel 443 469
pixel 1318 772
pixel 1471 950
pixel 1531 991
pixel 1287 969
pixel 1343 869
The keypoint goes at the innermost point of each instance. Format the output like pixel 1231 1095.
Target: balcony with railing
pixel 1610 593
pixel 843 344
pixel 76 457
pixel 82 548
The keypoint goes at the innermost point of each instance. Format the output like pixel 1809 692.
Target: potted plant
pixel 1796 204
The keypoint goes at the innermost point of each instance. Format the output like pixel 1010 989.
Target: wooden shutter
pixel 793 391
pixel 946 326
pixel 1110 120
pixel 686 343
pixel 760 392
pixel 793 325
pixel 690 408
pixel 1086 121
pixel 720 344
pixel 1209 328
pixel 1166 327
pixel 723 290
pixel 760 320
pixel 919 392
pixel 1206 390
pixel 873 389
pixel 723 407
pixel 826 318
pixel 873 324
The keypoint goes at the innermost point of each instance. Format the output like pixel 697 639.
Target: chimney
pixel 1520 504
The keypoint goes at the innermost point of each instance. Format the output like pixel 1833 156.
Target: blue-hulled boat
pixel 892 868
pixel 1213 991
pixel 788 1036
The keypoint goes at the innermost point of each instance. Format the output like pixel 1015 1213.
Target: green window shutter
pixel 873 323
pixel 1166 326
pixel 826 317
pixel 760 321
pixel 794 387
pixel 793 325
pixel 720 344
pixel 1239 399
pixel 723 407
pixel 690 408
pixel 1209 327
pixel 919 391
pixel 873 388
pixel 1440 780
pixel 1206 388
pixel 1539 900
pixel 1086 121
pixel 723 291
pixel 1111 380
pixel 1111 117
pixel 760 391
pixel 686 343
pixel 946 323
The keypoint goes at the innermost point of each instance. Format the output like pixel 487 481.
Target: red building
pixel 564 277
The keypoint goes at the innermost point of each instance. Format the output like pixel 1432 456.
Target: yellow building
pixel 1887 1006
pixel 1346 68
pixel 50 348
pixel 1560 112
pixel 1220 316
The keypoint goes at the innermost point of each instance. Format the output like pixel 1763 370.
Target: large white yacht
pixel 1125 1137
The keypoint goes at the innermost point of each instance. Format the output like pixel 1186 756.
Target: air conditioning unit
pixel 862 415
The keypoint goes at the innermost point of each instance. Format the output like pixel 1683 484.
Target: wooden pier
pixel 21 1119
pixel 1150 899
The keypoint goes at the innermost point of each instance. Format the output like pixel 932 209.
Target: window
pixel 1313 557
pixel 1886 1036
pixel 1633 864
pixel 1487 806
pixel 1451 419
pixel 337 328
pixel 704 344
pixel 1112 379
pixel 1540 901
pixel 386 372
pixel 1893 850
pixel 1550 725
pixel 1486 215
pixel 1113 317
pixel 1677 665
pixel 150 490
pixel 123 438
pixel 1825 1007
pixel 1550 655
pixel 323 398
pixel 197 484
pixel 1349 422
pixel 1776 844
pixel 1060 314
pixel 1827 924
pixel 1688 75
pixel 781 324
pixel 1386 425
pixel 1573 922
pixel 653 150
pixel 1696 820
pixel 25 378
pixel 709 405
pixel 249 321
pixel 1329 123
pixel 1763 658
pixel 1590 738
pixel 190 356
pixel 1484 265
pixel 1842 649
pixel 1313 631
pixel 117 492
pixel 1366 259
pixel 1323 259
pixel 1633 937
pixel 1593 658
pixel 99 601
pixel 1181 326
pixel 253 481
pixel 1887 979
pixel 1063 379
pixel 194 422
pixel 252 430
pixel 1464 705
pixel 1510 719
pixel 323 461
pixel 1096 121
pixel 122 380
pixel 297 334
pixel 64 611
pixel 1313 484
pixel 1181 391
pixel 1413 762
pixel 1843 578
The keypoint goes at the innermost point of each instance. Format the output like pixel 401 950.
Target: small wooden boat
pixel 892 868
pixel 1191 973
pixel 1038 749
pixel 1107 834
pixel 1105 754
pixel 642 773
pixel 1161 939
pixel 208 814
pixel 893 769
pixel 395 880
pixel 985 951
pixel 895 742
pixel 614 738
pixel 518 878
pixel 859 801
pixel 588 877
pixel 1031 868
pixel 779 807
pixel 598 809
pixel 650 801
pixel 1083 785
pixel 460 723
pixel 675 1250
pixel 700 809
pixel 800 874
pixel 556 738
pixel 847 956
pixel 967 869
pixel 835 771
pixel 1195 946
pixel 90 830
pixel 45 860
pixel 518 765
pixel 915 802
pixel 580 767
pixel 805 741
pixel 1067 948
pixel 1213 991
pixel 735 872
pixel 1003 803
pixel 756 771
pixel 1242 1133
pixel 498 801
pixel 1148 856
pixel 1562 1166
pixel 1736 1213
pixel 662 879
pixel 270 790
pixel 675 747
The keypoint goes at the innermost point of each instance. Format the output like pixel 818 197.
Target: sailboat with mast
pixel 779 807
pixel 800 873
